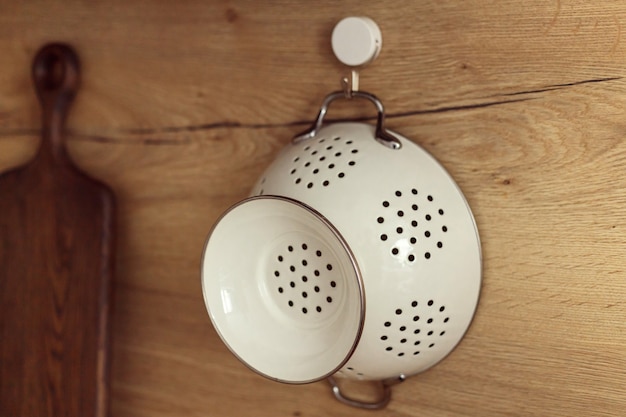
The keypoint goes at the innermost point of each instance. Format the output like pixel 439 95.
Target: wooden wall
pixel 183 104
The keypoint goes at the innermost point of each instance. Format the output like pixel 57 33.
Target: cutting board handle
pixel 56 75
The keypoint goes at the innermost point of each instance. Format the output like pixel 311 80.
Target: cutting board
pixel 56 266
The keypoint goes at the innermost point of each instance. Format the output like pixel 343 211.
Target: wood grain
pixel 184 105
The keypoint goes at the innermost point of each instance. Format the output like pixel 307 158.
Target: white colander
pixel 357 256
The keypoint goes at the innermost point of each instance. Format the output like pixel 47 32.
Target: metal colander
pixel 356 256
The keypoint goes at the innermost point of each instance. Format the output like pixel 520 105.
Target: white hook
pixel 356 41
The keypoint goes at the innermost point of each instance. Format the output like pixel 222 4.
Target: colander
pixel 356 256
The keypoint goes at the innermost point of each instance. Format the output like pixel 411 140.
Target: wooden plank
pixel 204 62
pixel 183 106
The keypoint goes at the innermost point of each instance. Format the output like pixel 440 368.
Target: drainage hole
pixel 304 262
pixel 380 219
pixel 292 284
pixel 398 194
pixel 439 245
pixel 341 175
pixel 316 289
pixel 304 310
pixel 383 237
pixel 292 268
pixel 325 183
pixel 333 284
pixel 400 213
pixel 413 240
pixel 318 309
pixel 385 203
pixel 383 337
pixel 290 303
pixel 280 290
pixel 411 258
pixel 304 278
pixel 352 163
pixel 329 267
pixel 430 198
pixel 427 255
pixel 318 253
pixel 329 299
pixel 276 273
pixel 394 251
pixel 304 294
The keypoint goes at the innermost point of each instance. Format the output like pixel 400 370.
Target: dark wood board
pixel 56 266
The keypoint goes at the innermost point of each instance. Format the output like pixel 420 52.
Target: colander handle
pixel 382 135
pixel 382 403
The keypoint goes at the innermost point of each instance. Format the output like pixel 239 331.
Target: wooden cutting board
pixel 56 266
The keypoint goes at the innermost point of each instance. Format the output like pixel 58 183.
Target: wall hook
pixel 356 41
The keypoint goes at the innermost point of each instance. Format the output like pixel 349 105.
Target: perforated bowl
pixel 356 256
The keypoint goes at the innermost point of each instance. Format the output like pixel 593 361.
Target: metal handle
pixel 381 133
pixel 377 405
